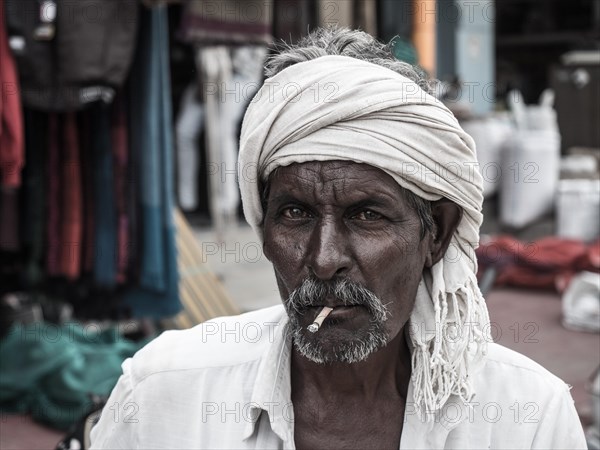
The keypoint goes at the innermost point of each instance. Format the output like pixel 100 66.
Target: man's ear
pixel 446 215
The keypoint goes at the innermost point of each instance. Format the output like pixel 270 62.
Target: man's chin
pixel 341 346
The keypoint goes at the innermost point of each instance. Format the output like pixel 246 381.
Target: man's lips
pixel 346 311
pixel 334 305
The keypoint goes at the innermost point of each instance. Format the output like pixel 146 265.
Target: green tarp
pixel 53 371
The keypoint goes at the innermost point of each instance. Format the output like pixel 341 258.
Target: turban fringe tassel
pixel 443 366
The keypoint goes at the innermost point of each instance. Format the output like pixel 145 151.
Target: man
pixel 362 188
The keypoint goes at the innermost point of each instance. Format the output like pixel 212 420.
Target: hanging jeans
pixel 188 129
pixel 230 78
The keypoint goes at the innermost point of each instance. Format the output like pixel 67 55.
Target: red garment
pixel 549 263
pixel 72 201
pixel 12 152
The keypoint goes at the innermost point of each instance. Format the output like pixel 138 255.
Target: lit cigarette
pixel 314 327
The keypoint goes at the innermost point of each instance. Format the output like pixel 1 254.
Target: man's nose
pixel 329 253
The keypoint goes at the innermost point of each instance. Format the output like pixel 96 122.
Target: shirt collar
pixel 421 431
pixel 272 392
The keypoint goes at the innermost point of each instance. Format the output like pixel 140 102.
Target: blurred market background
pixel 119 207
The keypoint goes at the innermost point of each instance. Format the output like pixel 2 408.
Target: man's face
pixel 331 221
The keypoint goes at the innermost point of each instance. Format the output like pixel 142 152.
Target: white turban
pixel 341 108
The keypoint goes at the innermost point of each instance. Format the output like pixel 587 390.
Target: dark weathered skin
pixel 348 220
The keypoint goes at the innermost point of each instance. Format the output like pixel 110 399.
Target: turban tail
pixel 341 108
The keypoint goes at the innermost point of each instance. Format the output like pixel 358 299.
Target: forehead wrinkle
pixel 307 179
pixel 298 183
pixel 341 181
pixel 355 188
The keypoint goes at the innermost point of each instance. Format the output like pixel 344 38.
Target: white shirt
pixel 226 384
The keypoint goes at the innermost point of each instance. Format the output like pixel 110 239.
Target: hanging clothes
pixel 11 116
pixel 11 143
pixel 120 160
pixel 222 34
pixel 64 198
pixel 105 232
pixel 53 197
pixel 214 62
pixel 87 163
pixel 152 144
pixel 34 199
pixel 9 225
pixel 73 53
pixel 95 42
pixel 98 199
pixel 72 201
pixel 292 19
pixel 188 129
pixel 132 202
pixel 146 137
pixel 231 22
pixel 230 77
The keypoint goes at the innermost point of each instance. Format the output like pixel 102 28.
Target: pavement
pixel 240 264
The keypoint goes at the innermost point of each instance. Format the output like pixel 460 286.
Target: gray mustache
pixel 313 292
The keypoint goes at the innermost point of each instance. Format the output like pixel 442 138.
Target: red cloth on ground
pixel 548 263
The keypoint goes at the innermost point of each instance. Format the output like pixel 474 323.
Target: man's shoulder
pixel 499 356
pixel 220 342
pixel 517 404
pixel 517 374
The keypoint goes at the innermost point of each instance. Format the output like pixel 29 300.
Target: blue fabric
pixel 151 127
pixel 105 232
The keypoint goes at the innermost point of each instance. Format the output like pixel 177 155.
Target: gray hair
pixel 357 44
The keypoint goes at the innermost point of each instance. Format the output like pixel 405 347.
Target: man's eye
pixel 295 213
pixel 367 215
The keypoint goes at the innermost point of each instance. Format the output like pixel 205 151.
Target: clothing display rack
pixel 88 206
